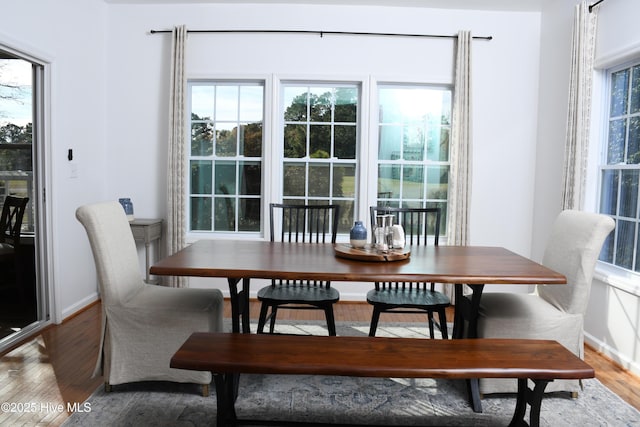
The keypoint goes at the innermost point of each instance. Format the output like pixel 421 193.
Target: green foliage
pixel 16 158
pixel 14 134
pixel 309 133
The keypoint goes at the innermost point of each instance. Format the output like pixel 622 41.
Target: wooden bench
pixel 228 355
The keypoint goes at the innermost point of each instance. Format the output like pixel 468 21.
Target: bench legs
pixel 226 392
pixel 533 398
pixel 226 395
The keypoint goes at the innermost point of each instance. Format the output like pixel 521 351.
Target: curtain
pixel 460 155
pixel 579 111
pixel 176 223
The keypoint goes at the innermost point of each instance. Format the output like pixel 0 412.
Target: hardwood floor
pixel 48 376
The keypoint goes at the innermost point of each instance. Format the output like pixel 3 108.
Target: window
pixel 620 168
pixel 324 149
pixel 225 159
pixel 320 134
pixel 413 149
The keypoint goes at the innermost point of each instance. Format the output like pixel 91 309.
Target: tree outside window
pixel 620 169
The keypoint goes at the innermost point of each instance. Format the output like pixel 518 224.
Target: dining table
pixel 468 268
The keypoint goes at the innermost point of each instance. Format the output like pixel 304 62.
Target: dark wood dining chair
pixel 304 224
pixel 409 297
pixel 10 229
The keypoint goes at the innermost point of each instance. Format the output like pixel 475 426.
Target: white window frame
pixel 272 156
pixel 612 275
pixel 425 163
pixel 316 83
pixel 265 81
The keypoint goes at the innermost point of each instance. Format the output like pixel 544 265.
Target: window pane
pixel 295 141
pixel 413 143
pixel 202 102
pixel 438 143
pixel 295 101
pixel 226 139
pixel 225 218
pixel 625 234
pixel 251 140
pixel 319 180
pixel 345 221
pixel 201 177
pixel 389 181
pixel 252 104
pixel 320 102
pixel 635 90
pixel 346 109
pixel 227 103
pixel 438 183
pixel 249 215
pixel 250 178
pixel 629 193
pixel 201 139
pixel 225 177
pixel 633 146
pixel 443 215
pixel 294 179
pixel 345 142
pixel 617 133
pixel 413 182
pixel 320 142
pixel 344 181
pixel 609 192
pixel 389 145
pixel 201 213
pixel 606 254
pixel 619 89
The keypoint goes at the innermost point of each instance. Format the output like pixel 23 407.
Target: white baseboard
pixel 73 309
pixel 613 353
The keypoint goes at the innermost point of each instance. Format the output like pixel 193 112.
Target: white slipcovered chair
pixel 551 312
pixel 143 325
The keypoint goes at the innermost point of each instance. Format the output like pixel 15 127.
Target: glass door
pixel 22 299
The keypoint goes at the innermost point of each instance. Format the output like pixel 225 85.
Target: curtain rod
pixel 322 33
pixel 594 5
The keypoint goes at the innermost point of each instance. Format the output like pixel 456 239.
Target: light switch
pixel 73 170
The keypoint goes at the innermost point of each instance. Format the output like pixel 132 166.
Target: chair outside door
pixel 407 297
pixel 10 229
pixel 302 224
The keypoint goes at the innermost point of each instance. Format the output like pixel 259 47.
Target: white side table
pixel 147 231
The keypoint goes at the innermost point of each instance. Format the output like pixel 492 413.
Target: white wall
pixel 505 87
pixel 612 321
pixel 555 58
pixel 71 38
pixel 109 98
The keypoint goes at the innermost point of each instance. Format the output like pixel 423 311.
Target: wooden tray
pixel 368 253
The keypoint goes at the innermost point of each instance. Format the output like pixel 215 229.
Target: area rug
pixel 378 401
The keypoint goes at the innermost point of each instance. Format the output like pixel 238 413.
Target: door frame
pixel 41 119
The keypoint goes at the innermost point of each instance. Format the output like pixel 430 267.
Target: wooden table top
pixel 379 357
pixel 269 260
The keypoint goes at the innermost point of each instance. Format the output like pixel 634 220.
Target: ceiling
pixel 506 5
